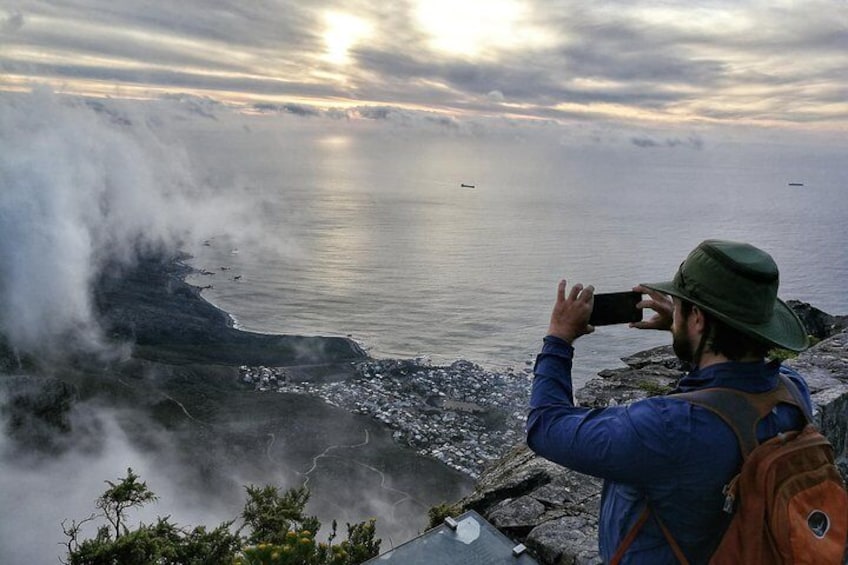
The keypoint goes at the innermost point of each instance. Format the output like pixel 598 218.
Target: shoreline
pixel 200 432
pixel 168 319
pixel 468 428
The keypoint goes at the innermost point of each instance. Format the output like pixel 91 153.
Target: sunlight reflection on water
pixel 396 255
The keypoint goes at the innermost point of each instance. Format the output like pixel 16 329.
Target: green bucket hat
pixel 737 283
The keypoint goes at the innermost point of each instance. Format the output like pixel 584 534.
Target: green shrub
pixel 279 533
pixel 438 513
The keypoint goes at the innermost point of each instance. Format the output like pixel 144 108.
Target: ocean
pixel 370 234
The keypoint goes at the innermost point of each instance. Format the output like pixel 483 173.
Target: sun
pixel 474 28
pixel 342 31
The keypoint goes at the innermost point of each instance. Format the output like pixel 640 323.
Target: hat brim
pixel 784 329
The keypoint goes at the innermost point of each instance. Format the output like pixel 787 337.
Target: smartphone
pixel 616 308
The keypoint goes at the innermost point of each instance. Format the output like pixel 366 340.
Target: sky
pixel 772 63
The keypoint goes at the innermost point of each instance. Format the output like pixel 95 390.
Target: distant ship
pixel 796 184
pixel 463 185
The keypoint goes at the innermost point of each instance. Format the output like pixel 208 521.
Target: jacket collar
pixel 756 376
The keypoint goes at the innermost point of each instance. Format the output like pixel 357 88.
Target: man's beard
pixel 682 346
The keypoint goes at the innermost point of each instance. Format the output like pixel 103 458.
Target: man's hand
pixel 663 308
pixel 570 318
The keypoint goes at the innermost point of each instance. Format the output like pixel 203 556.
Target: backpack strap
pixel 634 532
pixel 797 397
pixel 742 411
pixel 631 535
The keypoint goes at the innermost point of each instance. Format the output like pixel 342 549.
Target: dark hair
pixel 725 340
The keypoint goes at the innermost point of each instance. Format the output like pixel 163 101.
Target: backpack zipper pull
pixel 729 492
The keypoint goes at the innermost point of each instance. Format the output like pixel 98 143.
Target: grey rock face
pixel 569 540
pixel 551 509
pixel 825 368
pixel 648 373
pixel 820 325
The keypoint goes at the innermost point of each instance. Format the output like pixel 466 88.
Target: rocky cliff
pixel 554 511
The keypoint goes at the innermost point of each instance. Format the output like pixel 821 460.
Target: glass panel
pixel 474 541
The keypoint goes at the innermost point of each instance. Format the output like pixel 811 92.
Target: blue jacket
pixel 677 455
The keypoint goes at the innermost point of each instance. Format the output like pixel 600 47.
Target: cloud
pixel 377 112
pixel 296 109
pixel 614 60
pixel 196 457
pixel 691 142
pixel 644 142
pixel 12 23
pixel 41 491
pixel 496 96
pixel 86 185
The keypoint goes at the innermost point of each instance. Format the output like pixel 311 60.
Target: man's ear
pixel 697 319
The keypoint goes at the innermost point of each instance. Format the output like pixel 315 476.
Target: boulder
pixel 551 509
pixel 820 325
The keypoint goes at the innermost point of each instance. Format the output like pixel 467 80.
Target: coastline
pixel 462 415
pixel 168 319
pixel 177 407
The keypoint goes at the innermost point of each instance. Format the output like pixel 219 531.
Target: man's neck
pixel 709 358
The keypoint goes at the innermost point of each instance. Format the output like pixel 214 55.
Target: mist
pixel 86 185
pixel 39 492
pixel 89 186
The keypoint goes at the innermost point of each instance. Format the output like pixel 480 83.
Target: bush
pixel 438 513
pixel 279 533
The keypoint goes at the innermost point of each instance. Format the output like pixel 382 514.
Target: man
pixel 724 315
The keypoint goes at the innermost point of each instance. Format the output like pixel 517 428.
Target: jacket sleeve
pixel 631 444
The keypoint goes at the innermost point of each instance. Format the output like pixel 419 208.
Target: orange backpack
pixel 788 502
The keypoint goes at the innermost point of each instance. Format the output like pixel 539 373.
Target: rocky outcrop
pixel 819 324
pixel 825 368
pixel 554 511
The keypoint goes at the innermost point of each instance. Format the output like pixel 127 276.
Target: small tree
pixel 360 544
pixel 128 493
pixel 162 542
pixel 282 535
pixel 270 515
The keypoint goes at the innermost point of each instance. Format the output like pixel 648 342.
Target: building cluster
pixel 461 414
